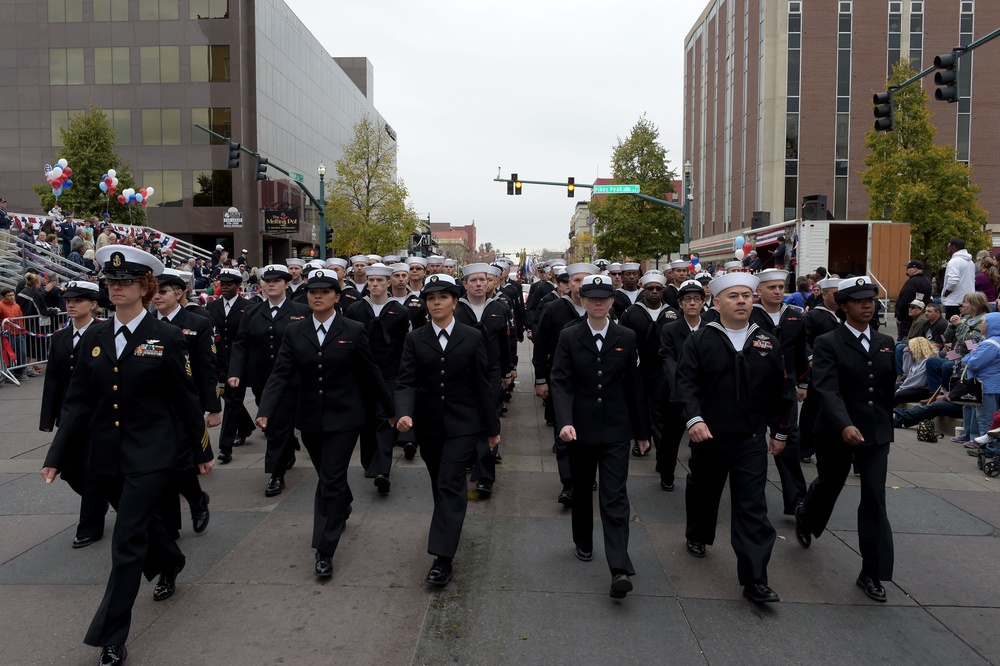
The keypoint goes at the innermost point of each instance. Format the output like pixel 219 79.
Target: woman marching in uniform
pixel 443 393
pixel 328 358
pixel 132 391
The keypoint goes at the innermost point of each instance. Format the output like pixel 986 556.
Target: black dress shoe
pixel 167 584
pixel 382 484
pixel 409 450
pixel 872 588
pixel 636 451
pixel 113 655
pixel 225 457
pixel 497 457
pixel 566 497
pixel 291 462
pixel 200 515
pixel 324 567
pixel 237 441
pixel 695 548
pixel 83 542
pixel 485 489
pixel 667 485
pixel 620 586
pixel 760 593
pixel 583 555
pixel 274 486
pixel 802 535
pixel 440 573
pixel 806 460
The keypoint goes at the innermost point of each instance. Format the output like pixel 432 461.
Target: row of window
pixel 71 11
pixel 157 64
pixel 160 127
pixel 208 188
pixel 792 90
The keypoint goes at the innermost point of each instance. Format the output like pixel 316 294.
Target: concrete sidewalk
pixel 248 594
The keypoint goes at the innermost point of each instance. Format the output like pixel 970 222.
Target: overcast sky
pixel 542 88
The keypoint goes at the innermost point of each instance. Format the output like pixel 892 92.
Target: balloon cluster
pixel 58 176
pixel 694 263
pixel 130 197
pixel 109 182
pixel 743 247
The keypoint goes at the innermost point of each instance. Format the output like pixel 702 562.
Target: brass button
pixel 598 401
pixel 116 370
pixel 442 385
pixel 869 403
pixel 319 353
pixel 869 363
pixel 320 379
pixel 598 360
pixel 115 387
pixel 600 373
pixel 442 372
pixel 115 406
pixel 871 390
pixel 116 424
pixel 321 391
pixel 599 387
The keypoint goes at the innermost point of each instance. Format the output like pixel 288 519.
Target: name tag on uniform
pixel 294 318
pixel 149 350
pixel 188 331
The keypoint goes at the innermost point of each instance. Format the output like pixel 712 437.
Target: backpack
pixel 926 431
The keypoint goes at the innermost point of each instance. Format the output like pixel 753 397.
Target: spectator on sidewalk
pixel 67 232
pixel 914 386
pixel 959 277
pixel 940 406
pixel 5 222
pixel 983 363
pixel 987 278
pixel 38 319
pixel 10 317
pixel 916 288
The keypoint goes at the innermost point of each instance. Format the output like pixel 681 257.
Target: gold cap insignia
pixel 117 259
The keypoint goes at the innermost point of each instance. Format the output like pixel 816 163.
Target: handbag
pixel 966 391
pixel 926 431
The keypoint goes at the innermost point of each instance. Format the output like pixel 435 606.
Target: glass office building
pixel 247 70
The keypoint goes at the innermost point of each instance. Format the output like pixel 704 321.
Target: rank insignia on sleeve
pixel 213 348
pixel 187 365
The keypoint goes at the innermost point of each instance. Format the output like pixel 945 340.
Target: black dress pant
pixel 742 458
pixel 833 463
pixel 562 453
pixel 789 465
pixel 377 440
pixel 93 502
pixel 612 497
pixel 140 546
pixel 236 419
pixel 330 453
pixel 653 386
pixel 484 466
pixel 184 482
pixel 671 433
pixel 280 433
pixel 807 423
pixel 446 460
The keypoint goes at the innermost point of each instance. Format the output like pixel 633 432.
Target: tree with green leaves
pixel 89 148
pixel 367 207
pixel 629 227
pixel 912 180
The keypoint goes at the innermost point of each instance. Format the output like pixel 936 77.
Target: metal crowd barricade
pixel 26 342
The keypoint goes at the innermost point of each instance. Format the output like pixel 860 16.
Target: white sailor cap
pixel 82 289
pixel 123 262
pixel 631 266
pixel 731 265
pixel 856 288
pixel 295 261
pixel 597 286
pixel 614 267
pixel 495 271
pixel 416 260
pixel 679 264
pixel 390 259
pixel 829 283
pixel 450 262
pixel 323 278
pixel 359 259
pixel 313 264
pixel 378 269
pixel 400 267
pixel 435 259
pixel 652 277
pixel 336 261
pixel 274 272
pixel 374 258
pixel 589 269
pixel 730 280
pixel 772 275
pixel 230 275
pixel 472 269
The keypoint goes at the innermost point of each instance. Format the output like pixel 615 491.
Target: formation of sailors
pixel 421 354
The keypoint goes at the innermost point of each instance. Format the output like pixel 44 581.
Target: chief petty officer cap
pixel 122 262
pixel 589 269
pixel 378 269
pixel 472 269
pixel 915 263
pixel 230 275
pixel 601 263
pixel 374 258
pixel 690 287
pixel 678 264
pixel 359 259
pixel 632 266
pixel 171 277
pixel 772 275
pixel 704 277
pixel 829 283
pixel 856 288
pixel 561 274
pixel 295 261
pixel 390 259
pixel 651 277
pixel 313 264
pixel 597 286
pixel 730 280
pixel 416 260
pixel 273 272
pixel 441 282
pixel 400 267
pixel 82 289
pixel 336 261
pixel 435 259
pixel 729 265
pixel 323 278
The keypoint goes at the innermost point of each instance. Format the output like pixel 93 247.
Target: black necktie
pixel 863 339
pixel 274 312
pixel 321 330
pixel 76 338
pixel 598 340
pixel 123 330
pixel 443 334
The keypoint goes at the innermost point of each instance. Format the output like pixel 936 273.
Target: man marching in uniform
pixel 600 407
pixel 627 294
pixel 402 290
pixel 386 323
pixel 787 323
pixel 296 288
pixel 854 373
pixel 676 274
pixel 418 271
pixel 731 383
pixel 536 292
pixel 253 354
pixel 819 320
pixel 227 313
pixel 354 288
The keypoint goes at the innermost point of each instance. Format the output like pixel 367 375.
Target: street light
pixel 321 170
pixel 687 204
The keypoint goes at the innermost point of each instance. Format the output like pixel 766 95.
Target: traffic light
pixel 517 183
pixel 885 114
pixel 234 155
pixel 947 78
pixel 261 168
pixel 570 186
pixel 510 184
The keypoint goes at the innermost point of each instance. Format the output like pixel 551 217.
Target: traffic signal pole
pixel 645 197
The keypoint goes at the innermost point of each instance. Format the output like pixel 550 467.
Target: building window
pixel 59 120
pixel 209 9
pixel 161 127
pixel 895 39
pixel 842 142
pixel 66 67
pixel 210 64
pixel 158 10
pixel 792 118
pixel 159 64
pixel 213 188
pixel 110 10
pixel 219 120
pixel 65 11
pixel 965 64
pixel 917 35
pixel 111 64
pixel 121 120
pixel 167 185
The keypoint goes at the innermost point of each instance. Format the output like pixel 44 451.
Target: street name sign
pixel 616 189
